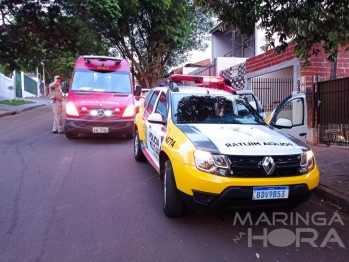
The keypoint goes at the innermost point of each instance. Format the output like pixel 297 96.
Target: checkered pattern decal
pixel 235 74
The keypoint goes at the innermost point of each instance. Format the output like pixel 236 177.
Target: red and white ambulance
pixel 100 98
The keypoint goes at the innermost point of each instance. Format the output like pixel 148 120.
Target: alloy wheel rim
pixel 136 143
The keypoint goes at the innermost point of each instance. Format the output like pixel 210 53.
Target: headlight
pixel 213 164
pixel 129 111
pixel 71 109
pixel 307 162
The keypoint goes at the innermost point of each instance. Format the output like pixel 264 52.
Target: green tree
pixel 154 35
pixel 305 23
pixel 32 32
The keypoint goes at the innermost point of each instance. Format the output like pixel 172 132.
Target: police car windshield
pixel 214 109
pixel 101 81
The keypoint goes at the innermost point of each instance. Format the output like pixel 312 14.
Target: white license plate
pixel 270 192
pixel 100 129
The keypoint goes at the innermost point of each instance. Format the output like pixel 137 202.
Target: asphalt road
pixel 89 200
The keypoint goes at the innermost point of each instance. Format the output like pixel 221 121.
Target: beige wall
pixel 283 73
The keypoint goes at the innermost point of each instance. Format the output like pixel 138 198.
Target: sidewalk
pixel 333 163
pixel 6 110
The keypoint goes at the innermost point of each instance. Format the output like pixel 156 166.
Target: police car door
pixel 149 109
pixel 290 116
pixel 253 100
pixel 156 130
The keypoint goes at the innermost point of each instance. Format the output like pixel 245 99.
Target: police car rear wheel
pixel 173 204
pixel 139 156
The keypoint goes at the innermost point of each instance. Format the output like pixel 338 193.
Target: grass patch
pixel 15 102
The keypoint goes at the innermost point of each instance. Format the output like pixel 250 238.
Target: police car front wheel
pixel 173 204
pixel 139 156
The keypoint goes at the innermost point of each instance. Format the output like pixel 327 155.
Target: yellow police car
pixel 214 151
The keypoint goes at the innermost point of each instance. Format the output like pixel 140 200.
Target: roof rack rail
pixel 88 59
pixel 170 84
pixel 173 87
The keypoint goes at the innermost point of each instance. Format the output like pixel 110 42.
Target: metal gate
pixel 30 85
pixel 271 91
pixel 333 111
pixel 18 83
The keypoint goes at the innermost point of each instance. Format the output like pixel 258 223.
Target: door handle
pixel 303 134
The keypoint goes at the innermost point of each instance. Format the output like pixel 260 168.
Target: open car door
pixel 290 116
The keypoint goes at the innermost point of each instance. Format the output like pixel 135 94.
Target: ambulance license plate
pixel 100 129
pixel 270 192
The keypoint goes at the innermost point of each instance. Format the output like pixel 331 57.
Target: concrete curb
pixel 14 112
pixel 32 107
pixel 9 113
pixel 333 196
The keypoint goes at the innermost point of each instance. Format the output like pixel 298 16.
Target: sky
pixel 198 56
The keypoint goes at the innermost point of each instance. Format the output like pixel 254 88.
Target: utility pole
pixel 43 78
pixel 38 81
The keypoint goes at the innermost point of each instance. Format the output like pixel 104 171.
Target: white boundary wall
pixel 5 82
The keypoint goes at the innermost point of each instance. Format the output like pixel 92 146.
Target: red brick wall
pixel 319 65
pixel 268 59
pixel 322 68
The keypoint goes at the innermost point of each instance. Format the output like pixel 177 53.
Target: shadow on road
pixel 101 139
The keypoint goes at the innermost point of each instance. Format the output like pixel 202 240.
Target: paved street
pixel 89 200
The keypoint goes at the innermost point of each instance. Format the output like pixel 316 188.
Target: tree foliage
pixel 46 31
pixel 305 23
pixel 155 35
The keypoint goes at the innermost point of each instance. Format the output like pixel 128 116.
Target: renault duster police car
pixel 213 150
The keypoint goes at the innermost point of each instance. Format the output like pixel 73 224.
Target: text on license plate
pixel 274 192
pixel 100 129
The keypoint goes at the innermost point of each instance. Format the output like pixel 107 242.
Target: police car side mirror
pixel 156 118
pixel 283 123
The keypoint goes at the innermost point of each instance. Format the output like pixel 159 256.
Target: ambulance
pixel 100 97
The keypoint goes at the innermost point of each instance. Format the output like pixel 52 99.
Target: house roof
pixel 203 63
pixel 216 28
pixel 178 70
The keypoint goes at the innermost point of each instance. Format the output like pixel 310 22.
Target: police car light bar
pixel 206 81
pixel 213 80
pixel 101 58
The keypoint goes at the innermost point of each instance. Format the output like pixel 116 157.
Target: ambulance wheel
pixel 139 156
pixel 173 204
pixel 70 135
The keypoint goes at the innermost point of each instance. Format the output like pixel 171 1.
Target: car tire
pixel 139 156
pixel 173 204
pixel 70 135
pixel 130 135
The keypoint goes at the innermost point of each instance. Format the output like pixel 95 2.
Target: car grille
pixel 87 115
pixel 250 166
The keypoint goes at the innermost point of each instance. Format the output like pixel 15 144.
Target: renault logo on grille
pixel 100 113
pixel 268 165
